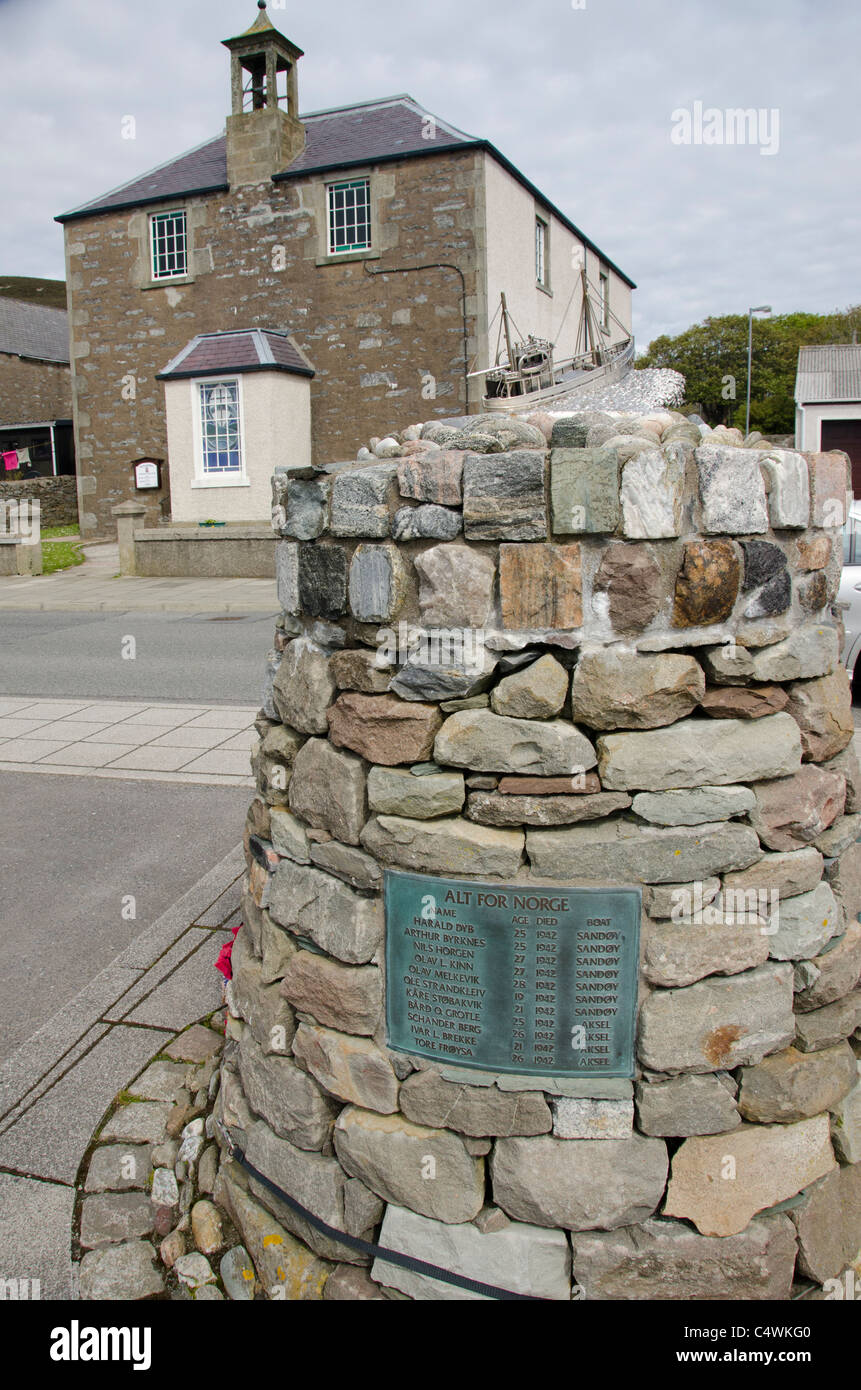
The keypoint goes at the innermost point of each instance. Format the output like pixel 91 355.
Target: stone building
pixel 35 389
pixel 285 222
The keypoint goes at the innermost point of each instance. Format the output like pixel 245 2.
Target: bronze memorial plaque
pixel 531 979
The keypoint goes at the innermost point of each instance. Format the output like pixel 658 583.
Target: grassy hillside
pixel 33 290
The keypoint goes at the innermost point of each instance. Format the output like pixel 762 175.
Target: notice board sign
pixel 147 474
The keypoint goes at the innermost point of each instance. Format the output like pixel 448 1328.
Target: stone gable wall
pixel 656 699
pixel 34 391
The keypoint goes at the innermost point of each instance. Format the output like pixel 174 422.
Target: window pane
pixel 219 424
pixel 169 256
pixel 349 215
pixel 540 251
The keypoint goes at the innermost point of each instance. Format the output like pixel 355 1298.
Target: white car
pixel 849 597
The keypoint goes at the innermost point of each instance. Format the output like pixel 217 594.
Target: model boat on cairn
pixel 526 373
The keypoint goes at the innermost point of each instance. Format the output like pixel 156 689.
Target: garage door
pixel 846 435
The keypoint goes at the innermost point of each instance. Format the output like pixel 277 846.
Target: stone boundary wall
pixel 647 692
pixel 57 497
pixel 226 552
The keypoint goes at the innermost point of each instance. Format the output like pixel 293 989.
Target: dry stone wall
pixel 587 651
pixel 57 498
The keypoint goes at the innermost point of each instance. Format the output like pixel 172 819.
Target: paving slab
pixel 190 742
pixel 132 735
pixel 19 726
pixel 119 1168
pixel 23 751
pixel 109 712
pixel 169 715
pixel 151 759
pixel 216 914
pixel 120 1273
pixel 160 1081
pixel 40 1062
pixel 110 1217
pixel 36 1220
pixel 73 729
pixel 197 1044
pixel 45 710
pixel 232 764
pixel 222 717
pixel 48 1044
pixel 234 921
pixel 89 754
pixel 183 986
pixel 187 736
pixel 13 706
pixel 245 740
pixel 50 1139
pixel 139 1122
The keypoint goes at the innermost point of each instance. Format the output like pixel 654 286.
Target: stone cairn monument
pixel 549 971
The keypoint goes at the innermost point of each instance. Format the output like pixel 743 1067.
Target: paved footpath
pixel 97 587
pixel 55 1090
pixel 57 1086
pixel 128 739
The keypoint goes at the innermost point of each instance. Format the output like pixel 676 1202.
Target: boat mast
pixel 507 330
pixel 593 334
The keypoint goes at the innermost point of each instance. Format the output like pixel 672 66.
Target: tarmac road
pixel 72 849
pixel 208 657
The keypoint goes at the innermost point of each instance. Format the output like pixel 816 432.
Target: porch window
pixel 220 429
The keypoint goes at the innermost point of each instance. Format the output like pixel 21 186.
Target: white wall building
pixel 237 404
pixel 828 402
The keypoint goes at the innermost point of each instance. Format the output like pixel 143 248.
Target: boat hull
pixel 604 375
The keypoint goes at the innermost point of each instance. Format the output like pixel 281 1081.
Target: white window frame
pixel 542 252
pixel 201 477
pixel 157 218
pixel 331 215
pixel 604 282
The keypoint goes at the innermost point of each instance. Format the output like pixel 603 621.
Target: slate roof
pixel 34 330
pixel 371 132
pixel 238 350
pixel 347 135
pixel 831 373
pixel 201 170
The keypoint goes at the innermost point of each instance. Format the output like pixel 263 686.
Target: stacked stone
pixel 149 1177
pixel 647 692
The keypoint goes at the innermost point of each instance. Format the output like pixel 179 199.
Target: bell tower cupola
pixel 264 132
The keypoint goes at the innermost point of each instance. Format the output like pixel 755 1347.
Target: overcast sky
pixel 579 94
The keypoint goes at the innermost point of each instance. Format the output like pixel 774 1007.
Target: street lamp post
pixel 762 309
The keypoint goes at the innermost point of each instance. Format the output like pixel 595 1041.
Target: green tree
pixel 712 356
